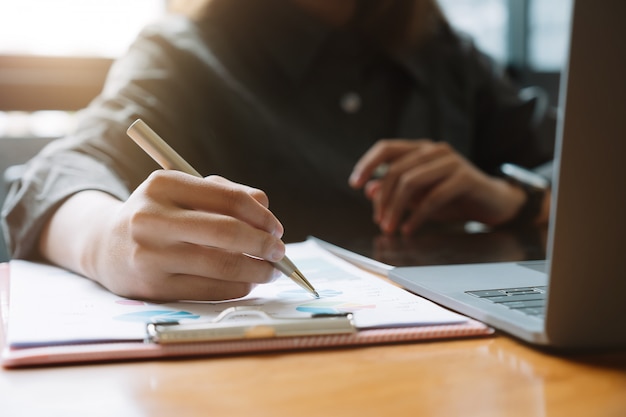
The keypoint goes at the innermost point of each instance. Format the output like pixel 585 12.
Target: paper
pixel 49 305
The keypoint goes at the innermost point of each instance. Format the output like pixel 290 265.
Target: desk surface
pixel 493 376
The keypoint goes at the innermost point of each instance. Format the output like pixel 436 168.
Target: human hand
pixel 176 237
pixel 430 180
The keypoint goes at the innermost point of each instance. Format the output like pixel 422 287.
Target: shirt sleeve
pixel 99 155
pixel 504 125
pixel 512 124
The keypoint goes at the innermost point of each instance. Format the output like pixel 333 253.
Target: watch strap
pixel 534 188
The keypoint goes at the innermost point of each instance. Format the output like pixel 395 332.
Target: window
pixel 528 37
pixel 539 27
pixel 485 21
pixel 73 27
pixel 54 55
pixel 548 34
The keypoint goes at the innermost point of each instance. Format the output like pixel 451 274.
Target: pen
pixel 167 157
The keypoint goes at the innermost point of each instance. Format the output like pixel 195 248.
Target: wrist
pixel 98 212
pixel 536 191
pixel 73 235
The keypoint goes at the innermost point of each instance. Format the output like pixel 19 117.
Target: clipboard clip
pixel 248 322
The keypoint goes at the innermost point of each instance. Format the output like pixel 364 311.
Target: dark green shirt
pixel 264 94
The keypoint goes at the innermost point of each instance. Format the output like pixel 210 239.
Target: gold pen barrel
pixel 288 268
pixel 158 149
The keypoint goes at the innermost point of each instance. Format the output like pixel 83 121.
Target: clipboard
pixel 240 329
pixel 257 325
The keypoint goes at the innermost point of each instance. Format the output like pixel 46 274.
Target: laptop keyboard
pixel 527 300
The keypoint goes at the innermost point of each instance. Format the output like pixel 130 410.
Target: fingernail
pixel 354 177
pixel 278 253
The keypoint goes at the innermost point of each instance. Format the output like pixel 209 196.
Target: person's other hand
pixel 177 237
pixel 426 180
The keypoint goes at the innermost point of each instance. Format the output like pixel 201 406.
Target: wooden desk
pixel 495 376
pixel 486 377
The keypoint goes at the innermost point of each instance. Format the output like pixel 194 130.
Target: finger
pixel 380 153
pixel 382 191
pixel 412 186
pixel 372 188
pixel 247 204
pixel 255 193
pixel 435 201
pixel 206 229
pixel 242 202
pixel 199 273
pixel 213 194
pixel 218 264
pixel 419 158
pixel 194 288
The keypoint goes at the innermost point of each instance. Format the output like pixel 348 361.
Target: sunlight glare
pixel 73 27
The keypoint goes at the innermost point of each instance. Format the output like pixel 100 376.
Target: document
pixel 51 306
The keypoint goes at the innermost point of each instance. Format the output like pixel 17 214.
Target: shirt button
pixel 350 102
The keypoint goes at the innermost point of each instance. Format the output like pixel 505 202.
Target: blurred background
pixel 55 54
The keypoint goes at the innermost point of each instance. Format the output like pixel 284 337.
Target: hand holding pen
pixel 165 156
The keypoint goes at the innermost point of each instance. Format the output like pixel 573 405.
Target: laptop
pixel 576 297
